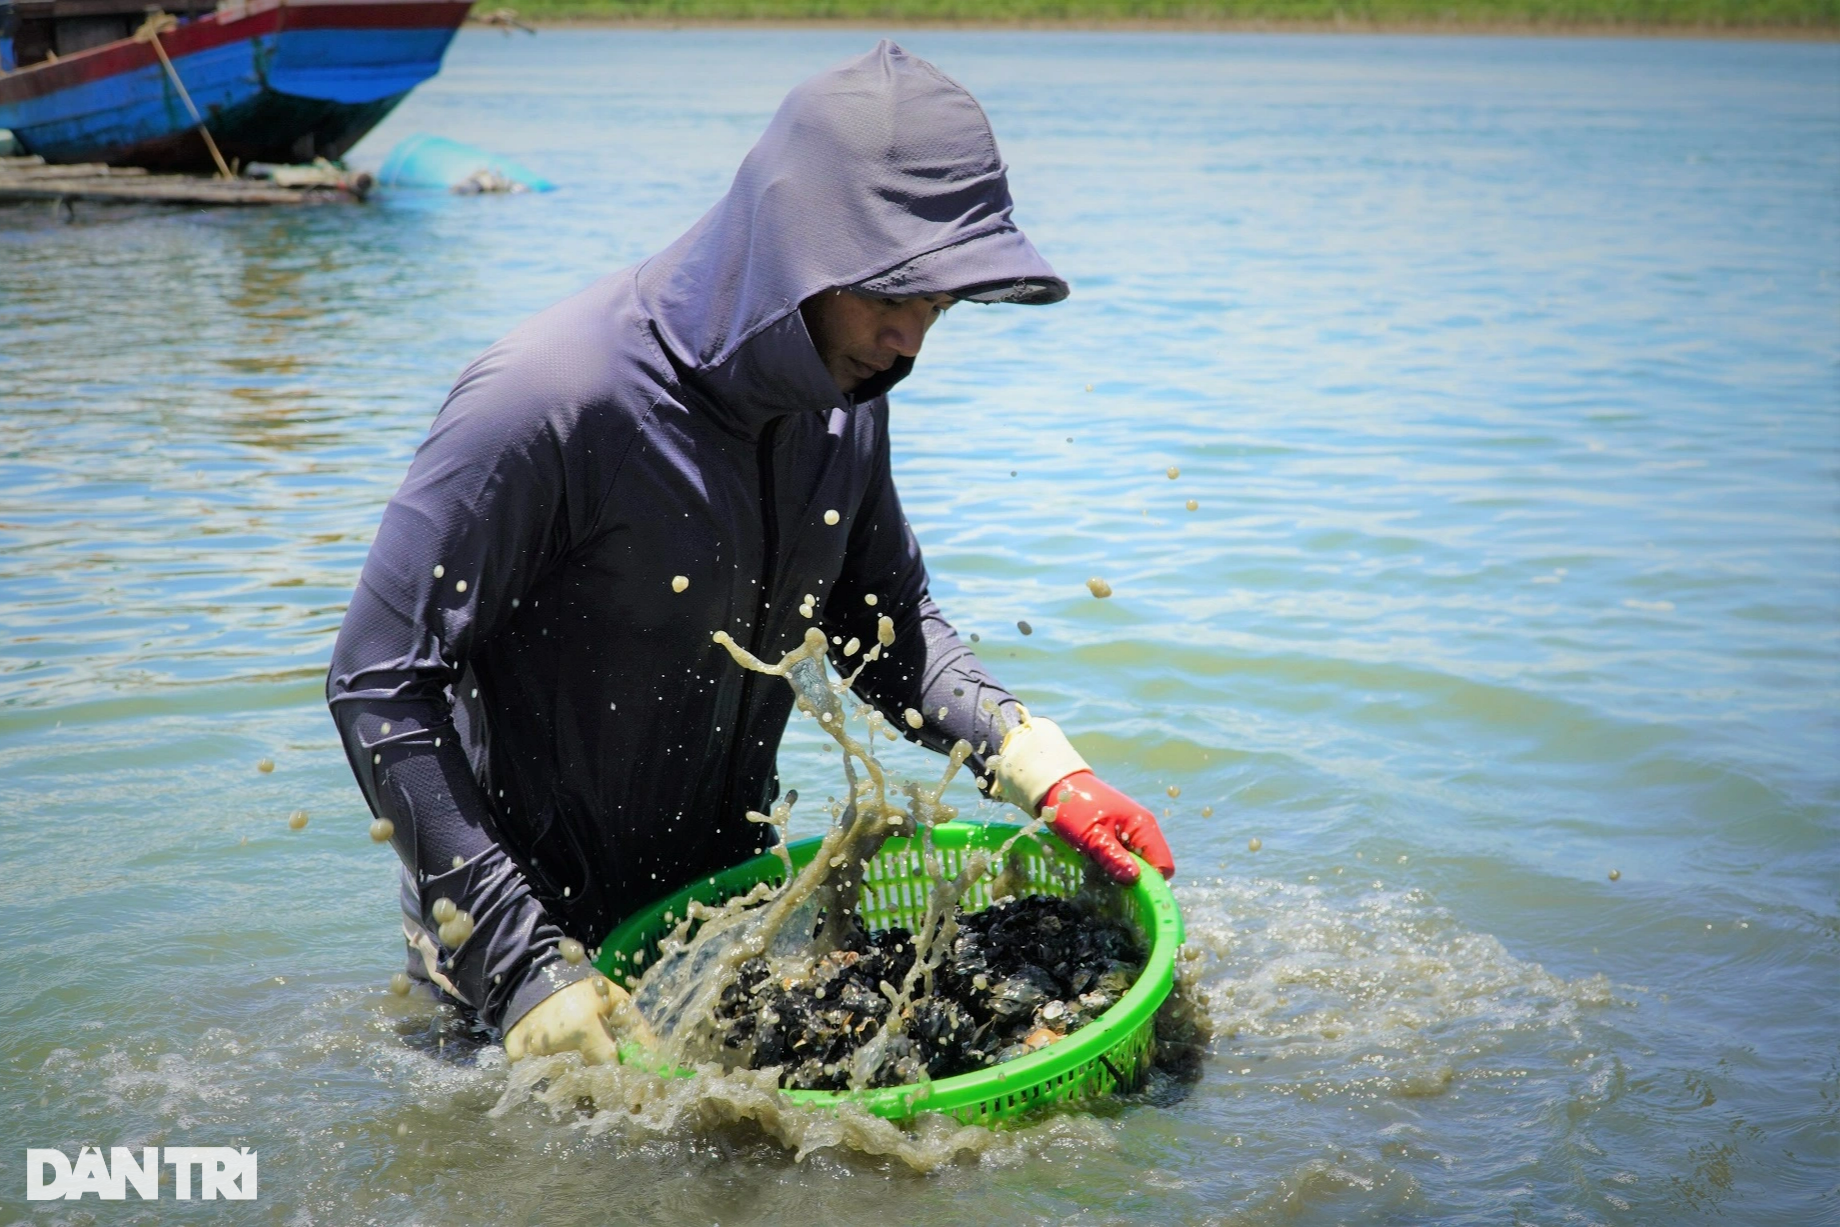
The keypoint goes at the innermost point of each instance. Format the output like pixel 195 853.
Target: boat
pixel 275 81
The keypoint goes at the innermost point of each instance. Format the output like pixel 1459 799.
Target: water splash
pixel 642 1107
pixel 816 911
pixel 1312 989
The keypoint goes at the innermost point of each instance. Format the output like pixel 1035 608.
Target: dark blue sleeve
pixel 928 668
pixel 488 501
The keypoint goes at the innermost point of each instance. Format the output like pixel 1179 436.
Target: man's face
pixel 859 337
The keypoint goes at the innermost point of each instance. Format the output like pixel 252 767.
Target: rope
pixel 505 19
pixel 158 23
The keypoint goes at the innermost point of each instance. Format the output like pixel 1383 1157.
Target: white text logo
pixel 223 1171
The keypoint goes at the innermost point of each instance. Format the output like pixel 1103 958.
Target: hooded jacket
pixel 520 685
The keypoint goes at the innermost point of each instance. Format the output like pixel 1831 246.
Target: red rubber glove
pixel 1102 822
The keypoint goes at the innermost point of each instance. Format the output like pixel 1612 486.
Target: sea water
pixel 1500 374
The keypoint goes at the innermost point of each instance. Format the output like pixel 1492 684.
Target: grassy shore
pixel 1820 18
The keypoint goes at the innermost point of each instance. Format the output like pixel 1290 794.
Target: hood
pixel 880 174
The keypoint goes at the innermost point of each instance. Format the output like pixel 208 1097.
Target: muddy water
pixel 1500 374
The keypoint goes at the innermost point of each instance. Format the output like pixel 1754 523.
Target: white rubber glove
pixel 584 1018
pixel 1035 756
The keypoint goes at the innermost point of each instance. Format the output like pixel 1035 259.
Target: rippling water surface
pixel 1503 376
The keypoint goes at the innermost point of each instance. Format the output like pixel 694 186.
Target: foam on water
pixel 1372 989
pixel 637 1105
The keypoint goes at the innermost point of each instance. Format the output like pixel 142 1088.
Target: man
pixel 525 682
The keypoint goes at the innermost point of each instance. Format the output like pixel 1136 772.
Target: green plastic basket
pixel 1111 1053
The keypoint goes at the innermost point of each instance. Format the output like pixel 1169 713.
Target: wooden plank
pixel 154 191
pixel 126 184
pixel 74 170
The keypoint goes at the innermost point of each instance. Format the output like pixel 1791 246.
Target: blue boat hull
pixel 283 83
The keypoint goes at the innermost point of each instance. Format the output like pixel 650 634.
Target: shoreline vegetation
pixel 1804 19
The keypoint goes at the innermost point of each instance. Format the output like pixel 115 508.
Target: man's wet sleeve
pixel 459 545
pixel 928 669
pixel 414 773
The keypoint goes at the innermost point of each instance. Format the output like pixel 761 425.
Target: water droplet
pixel 974 636
pixel 831 517
pixel 376 759
pixel 460 585
pixel 570 950
pixel 849 649
pixel 439 570
pixel 444 910
pixel 1175 790
pixel 1098 587
pixel 382 829
pixel 679 582
pixel 1615 874
pixel 265 765
pixel 869 598
pixel 1207 811
pixel 914 719
pixel 297 821
pixel 944 712
pixel 1024 627
pixel 1174 472
pixel 884 631
pixel 1254 844
pixel 458 861
pixel 385 730
pixel 399 984
pixel 1193 505
pixel 1088 388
